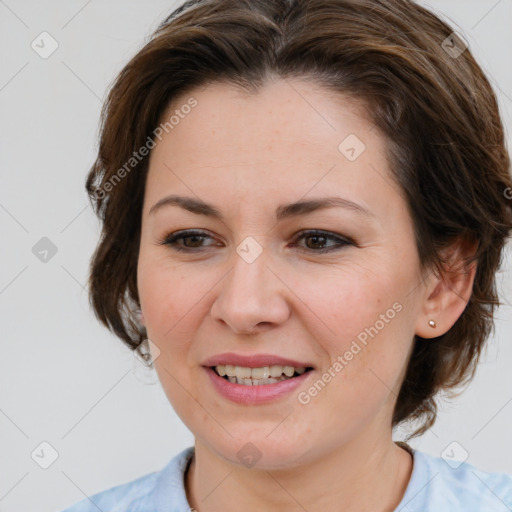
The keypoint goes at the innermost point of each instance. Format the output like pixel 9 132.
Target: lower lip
pixel 252 395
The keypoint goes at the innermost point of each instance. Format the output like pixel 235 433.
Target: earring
pixel 431 323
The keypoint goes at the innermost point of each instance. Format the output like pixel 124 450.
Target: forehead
pixel 290 138
pixel 294 108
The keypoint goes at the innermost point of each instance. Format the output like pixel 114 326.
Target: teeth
pixel 257 382
pixel 260 373
pixel 257 376
pixel 276 371
pixel 288 371
pixel 243 372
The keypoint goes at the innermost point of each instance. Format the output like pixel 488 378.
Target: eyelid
pixel 341 242
pixel 326 234
pixel 179 235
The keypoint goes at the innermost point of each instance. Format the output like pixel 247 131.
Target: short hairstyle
pixel 435 109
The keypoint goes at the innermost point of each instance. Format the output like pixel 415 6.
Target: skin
pixel 246 154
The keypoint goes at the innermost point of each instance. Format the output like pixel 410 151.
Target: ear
pixel 141 317
pixel 447 295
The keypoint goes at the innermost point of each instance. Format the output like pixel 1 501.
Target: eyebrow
pixel 283 211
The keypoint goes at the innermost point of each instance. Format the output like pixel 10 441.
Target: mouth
pixel 259 376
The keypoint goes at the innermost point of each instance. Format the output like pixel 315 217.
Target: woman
pixel 304 207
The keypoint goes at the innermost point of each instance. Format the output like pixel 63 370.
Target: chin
pixel 261 452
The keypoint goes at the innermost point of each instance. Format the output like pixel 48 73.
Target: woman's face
pixel 254 284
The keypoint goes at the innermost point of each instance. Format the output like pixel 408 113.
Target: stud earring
pixel 431 323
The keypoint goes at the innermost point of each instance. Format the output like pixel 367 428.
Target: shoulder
pixel 144 493
pixel 121 496
pixel 446 484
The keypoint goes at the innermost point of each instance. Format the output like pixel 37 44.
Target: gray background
pixel 64 379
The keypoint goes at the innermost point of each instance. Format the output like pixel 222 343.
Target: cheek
pixel 168 295
pixel 361 322
pixel 342 302
pixel 170 300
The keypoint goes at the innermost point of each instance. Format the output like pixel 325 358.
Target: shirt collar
pixel 168 494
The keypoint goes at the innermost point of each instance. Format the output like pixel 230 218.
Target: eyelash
pixel 171 239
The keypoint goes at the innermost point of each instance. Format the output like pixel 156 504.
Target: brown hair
pixel 437 110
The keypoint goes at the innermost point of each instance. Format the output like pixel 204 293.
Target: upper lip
pixel 253 361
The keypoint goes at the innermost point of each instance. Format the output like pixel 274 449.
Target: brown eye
pixel 191 240
pixel 317 241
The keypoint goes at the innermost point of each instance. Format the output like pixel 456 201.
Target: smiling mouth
pixel 258 376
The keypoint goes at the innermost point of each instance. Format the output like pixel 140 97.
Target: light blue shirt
pixel 435 486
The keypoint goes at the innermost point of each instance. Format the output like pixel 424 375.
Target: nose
pixel 251 297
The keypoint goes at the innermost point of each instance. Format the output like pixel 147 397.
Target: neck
pixel 369 476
